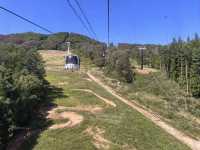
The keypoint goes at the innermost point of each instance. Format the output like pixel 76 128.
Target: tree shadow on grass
pixel 27 138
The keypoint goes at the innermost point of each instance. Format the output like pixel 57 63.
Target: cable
pixel 86 18
pixel 78 16
pixel 25 19
pixel 108 23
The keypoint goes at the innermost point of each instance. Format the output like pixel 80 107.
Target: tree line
pixel 181 62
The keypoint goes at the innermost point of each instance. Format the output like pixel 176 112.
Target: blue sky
pixel 132 21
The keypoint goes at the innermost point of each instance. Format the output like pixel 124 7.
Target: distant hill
pixel 58 41
pixel 55 41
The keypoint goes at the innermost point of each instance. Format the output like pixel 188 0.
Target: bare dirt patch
pixel 145 71
pixel 98 140
pixel 74 118
pixel 91 109
pixel 111 103
pixel 128 147
pixel 87 79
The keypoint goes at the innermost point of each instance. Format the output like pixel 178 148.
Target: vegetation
pixel 122 126
pixel 150 55
pixel 118 64
pixel 168 92
pixel 173 91
pixel 165 97
pixel 22 88
pixel 161 95
pixel 180 61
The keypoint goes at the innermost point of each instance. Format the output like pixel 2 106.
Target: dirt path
pixel 102 98
pixel 192 143
pixel 73 118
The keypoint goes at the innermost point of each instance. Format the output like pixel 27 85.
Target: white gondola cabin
pixel 72 62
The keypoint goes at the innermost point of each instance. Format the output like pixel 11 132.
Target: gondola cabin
pixel 72 62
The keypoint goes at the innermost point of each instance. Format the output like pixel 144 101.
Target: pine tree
pixel 195 73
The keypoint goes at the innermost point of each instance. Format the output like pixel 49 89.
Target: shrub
pixel 118 64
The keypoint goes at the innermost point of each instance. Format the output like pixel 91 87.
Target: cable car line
pixel 85 17
pixel 25 19
pixel 108 17
pixel 78 16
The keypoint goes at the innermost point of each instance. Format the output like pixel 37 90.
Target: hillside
pixel 99 75
pixel 109 104
pixel 99 120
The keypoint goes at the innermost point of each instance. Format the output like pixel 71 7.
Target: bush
pixel 118 64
